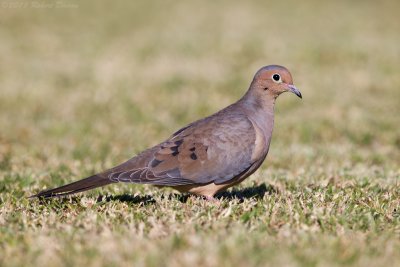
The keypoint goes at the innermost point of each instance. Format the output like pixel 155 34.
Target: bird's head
pixel 273 80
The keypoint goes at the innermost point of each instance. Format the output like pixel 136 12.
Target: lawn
pixel 86 85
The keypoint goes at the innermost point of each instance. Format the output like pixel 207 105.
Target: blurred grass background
pixel 86 85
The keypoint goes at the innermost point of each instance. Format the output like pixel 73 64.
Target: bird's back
pixel 214 149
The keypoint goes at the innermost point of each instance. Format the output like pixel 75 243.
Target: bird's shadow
pixel 257 192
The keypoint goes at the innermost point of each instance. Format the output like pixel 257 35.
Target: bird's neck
pixel 261 111
pixel 259 106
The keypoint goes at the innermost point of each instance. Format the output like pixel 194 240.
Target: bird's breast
pixel 262 141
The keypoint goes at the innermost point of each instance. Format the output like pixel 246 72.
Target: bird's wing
pixel 211 150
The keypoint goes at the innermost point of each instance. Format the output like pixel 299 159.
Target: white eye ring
pixel 276 78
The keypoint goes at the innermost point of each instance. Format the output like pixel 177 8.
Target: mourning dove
pixel 208 155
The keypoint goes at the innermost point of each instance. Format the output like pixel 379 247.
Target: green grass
pixel 85 87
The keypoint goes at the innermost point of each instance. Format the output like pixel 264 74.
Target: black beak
pixel 294 90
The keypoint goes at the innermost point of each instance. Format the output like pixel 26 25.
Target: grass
pixel 84 86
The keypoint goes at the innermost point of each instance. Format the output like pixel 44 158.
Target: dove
pixel 209 155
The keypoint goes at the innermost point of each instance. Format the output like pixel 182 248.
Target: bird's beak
pixel 294 90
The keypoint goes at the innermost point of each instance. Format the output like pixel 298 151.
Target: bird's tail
pixel 75 187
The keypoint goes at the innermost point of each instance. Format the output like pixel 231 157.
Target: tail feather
pixel 75 187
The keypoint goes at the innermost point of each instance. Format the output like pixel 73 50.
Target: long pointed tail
pixel 75 187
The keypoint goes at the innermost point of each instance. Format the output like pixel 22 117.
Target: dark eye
pixel 276 77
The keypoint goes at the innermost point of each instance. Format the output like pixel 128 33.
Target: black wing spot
pixel 193 156
pixel 178 143
pixel 181 130
pixel 154 163
pixel 192 149
pixel 175 153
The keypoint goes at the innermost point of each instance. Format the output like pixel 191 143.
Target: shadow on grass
pixel 257 192
pixel 143 200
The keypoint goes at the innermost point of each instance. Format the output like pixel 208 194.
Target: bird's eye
pixel 276 77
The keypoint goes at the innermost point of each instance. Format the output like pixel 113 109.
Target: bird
pixel 206 156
